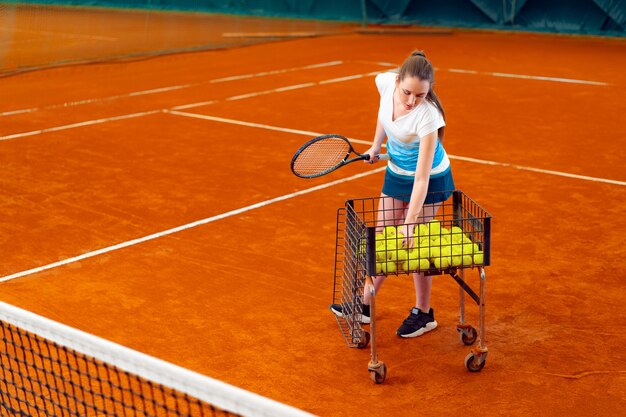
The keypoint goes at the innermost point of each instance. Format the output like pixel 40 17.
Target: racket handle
pixel 384 157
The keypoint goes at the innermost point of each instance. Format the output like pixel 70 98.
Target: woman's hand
pixel 373 152
pixel 407 230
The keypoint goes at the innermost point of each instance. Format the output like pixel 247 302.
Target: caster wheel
pixel 364 341
pixel 468 336
pixel 471 362
pixel 378 375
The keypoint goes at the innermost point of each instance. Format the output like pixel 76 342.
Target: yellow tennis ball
pixel 389 267
pixel 478 258
pixel 441 263
pixel 446 251
pixel 391 244
pixel 456 249
pixel 423 252
pixel 379 267
pixel 434 227
pixel 381 254
pixel 424 264
pixel 389 231
pixel 467 260
pixel 402 254
pixel 468 248
pixel 410 265
pixel 435 251
pixel 457 260
pixel 466 239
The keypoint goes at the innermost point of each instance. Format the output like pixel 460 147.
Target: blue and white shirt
pixel 404 133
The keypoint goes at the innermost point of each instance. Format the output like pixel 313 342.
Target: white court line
pixel 527 77
pixel 274 72
pixel 187 226
pixel 364 142
pixel 260 93
pixel 158 90
pixel 171 88
pixel 384 64
pixel 189 106
pixel 506 75
pixel 308 133
pixel 74 125
pixel 185 106
pixel 242 123
pixel 63 34
pixel 280 89
pixel 539 170
pixel 264 73
pixel 348 78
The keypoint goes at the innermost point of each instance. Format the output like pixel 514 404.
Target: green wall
pixel 598 17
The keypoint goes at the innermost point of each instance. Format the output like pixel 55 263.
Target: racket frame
pixel 343 162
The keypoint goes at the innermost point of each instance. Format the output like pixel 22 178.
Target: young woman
pixel 411 117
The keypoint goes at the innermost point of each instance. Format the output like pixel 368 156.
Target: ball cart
pixel 456 241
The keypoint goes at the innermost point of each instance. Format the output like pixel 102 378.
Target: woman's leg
pixel 390 213
pixel 422 283
pixel 421 319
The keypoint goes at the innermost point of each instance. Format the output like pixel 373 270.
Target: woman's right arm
pixel 374 150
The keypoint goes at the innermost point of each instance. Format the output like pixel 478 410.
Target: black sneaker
pixel 417 323
pixel 337 310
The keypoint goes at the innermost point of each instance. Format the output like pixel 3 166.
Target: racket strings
pixel 321 156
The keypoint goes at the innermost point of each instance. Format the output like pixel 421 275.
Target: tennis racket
pixel 324 154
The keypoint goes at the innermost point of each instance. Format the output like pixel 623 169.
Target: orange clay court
pixel 536 135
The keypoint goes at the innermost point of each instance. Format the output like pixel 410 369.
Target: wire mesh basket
pixel 372 239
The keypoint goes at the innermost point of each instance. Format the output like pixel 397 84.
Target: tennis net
pixel 49 369
pixel 36 35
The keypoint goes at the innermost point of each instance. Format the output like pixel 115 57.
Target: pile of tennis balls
pixel 434 246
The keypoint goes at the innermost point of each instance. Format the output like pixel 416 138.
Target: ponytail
pixel 418 66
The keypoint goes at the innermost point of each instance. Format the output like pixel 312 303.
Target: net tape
pixel 49 369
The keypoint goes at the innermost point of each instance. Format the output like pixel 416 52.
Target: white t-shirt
pixel 404 133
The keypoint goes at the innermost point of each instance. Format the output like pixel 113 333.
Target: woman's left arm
pixel 422 175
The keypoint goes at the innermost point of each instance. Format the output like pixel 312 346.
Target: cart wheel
pixel 471 365
pixel 378 375
pixel 468 336
pixel 364 341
